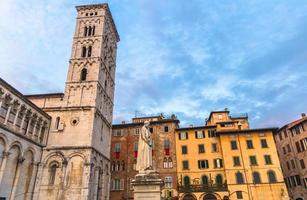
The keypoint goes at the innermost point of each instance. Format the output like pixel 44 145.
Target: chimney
pixel 123 122
pixel 226 109
pixel 303 115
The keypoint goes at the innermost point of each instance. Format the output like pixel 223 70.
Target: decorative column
pixel 16 116
pixel 36 132
pixel 86 180
pixel 34 128
pixel 23 119
pixel 31 117
pixel 34 176
pixel 16 179
pixel 8 113
pixel 5 156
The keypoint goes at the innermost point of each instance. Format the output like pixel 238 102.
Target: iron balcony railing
pixel 203 188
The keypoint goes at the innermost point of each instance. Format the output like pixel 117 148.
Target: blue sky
pixel 182 57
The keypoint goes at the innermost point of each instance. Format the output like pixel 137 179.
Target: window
pixel 201 148
pixel 285 133
pixel 233 145
pixel 267 159
pixel 252 160
pixel 93 33
pixel 123 166
pixel 298 180
pixel 52 173
pixel 236 161
pixel 117 133
pixel 264 143
pixel 280 136
pixel 166 129
pixel 117 184
pixel 271 176
pixel 117 167
pixel 83 53
pixel 137 131
pixel 170 162
pixel 239 178
pixel 249 144
pixel 256 178
pixel 302 164
pixel 85 31
pixel 205 180
pixel 219 179
pixel 167 146
pixel 203 164
pixel 293 164
pixel 151 129
pixel 117 147
pixel 83 74
pixel 57 122
pixel 199 134
pixel 217 163
pixel 184 149
pixel 186 181
pixel 298 147
pixel 288 165
pixel 167 163
pixel 214 147
pixel 284 150
pixel 239 194
pixel 183 136
pixel 211 133
pixel 289 148
pixel 89 31
pixel 89 51
pixel 168 180
pixel 304 144
pixel 185 164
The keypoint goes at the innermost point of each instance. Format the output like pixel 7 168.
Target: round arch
pixel 189 196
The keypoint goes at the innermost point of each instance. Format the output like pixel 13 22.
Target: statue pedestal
pixel 147 186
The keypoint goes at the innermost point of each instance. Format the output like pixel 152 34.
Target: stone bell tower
pixel 75 163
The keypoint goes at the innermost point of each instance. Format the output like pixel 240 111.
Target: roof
pixel 294 123
pixel 23 97
pixel 273 129
pixel 45 95
pixel 141 123
pixel 103 5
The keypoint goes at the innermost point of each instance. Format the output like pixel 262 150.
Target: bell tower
pixel 76 160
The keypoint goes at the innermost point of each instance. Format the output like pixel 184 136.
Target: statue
pixel 144 159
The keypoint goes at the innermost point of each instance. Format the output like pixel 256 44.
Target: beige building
pixel 291 142
pixel 73 162
pixel 226 159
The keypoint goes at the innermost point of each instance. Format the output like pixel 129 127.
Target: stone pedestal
pixel 147 186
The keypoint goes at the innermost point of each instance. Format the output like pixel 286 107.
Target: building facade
pixel 124 155
pixel 291 142
pixel 23 135
pixel 73 162
pixel 225 159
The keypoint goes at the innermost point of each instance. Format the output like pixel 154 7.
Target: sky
pixel 175 57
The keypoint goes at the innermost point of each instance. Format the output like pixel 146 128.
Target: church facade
pixel 59 144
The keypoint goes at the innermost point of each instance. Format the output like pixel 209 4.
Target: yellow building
pixel 225 159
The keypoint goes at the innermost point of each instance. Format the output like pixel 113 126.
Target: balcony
pixel 208 188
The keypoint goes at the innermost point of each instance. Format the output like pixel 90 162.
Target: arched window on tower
pixel 57 122
pixel 89 51
pixel 83 74
pixel 93 32
pixel 85 31
pixel 83 53
pixel 52 173
pixel 89 31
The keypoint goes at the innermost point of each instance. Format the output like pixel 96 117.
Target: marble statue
pixel 144 159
